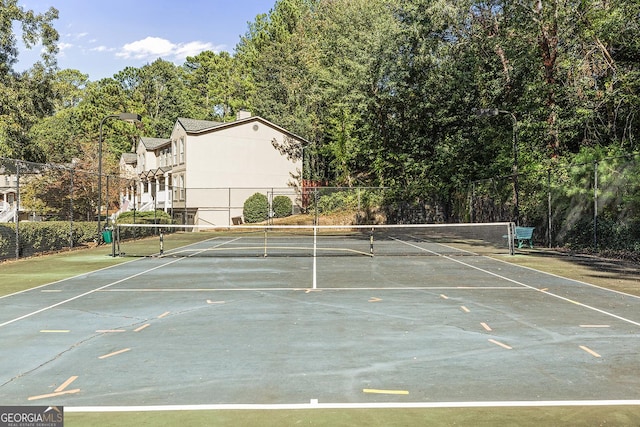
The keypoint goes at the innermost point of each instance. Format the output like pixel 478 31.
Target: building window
pixel 182 150
pixel 183 190
pixel 175 152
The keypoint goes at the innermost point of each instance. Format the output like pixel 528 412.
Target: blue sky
pixel 100 38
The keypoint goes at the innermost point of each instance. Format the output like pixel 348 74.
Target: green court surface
pixel 452 338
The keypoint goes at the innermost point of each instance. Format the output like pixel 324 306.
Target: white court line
pixel 566 278
pixel 380 405
pixel 364 288
pixel 67 278
pixel 91 291
pixel 544 291
pixel 85 294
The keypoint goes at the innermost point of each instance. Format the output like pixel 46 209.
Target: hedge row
pixel 49 236
pixel 38 237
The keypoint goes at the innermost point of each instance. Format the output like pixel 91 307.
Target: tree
pixel 218 84
pixel 24 97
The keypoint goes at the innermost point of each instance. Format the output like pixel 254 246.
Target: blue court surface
pixel 451 328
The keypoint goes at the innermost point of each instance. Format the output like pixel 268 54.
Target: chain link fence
pixel 589 207
pixel 593 206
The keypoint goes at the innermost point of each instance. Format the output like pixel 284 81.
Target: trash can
pixel 107 236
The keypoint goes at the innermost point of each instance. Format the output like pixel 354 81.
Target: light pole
pixel 491 112
pixel 127 117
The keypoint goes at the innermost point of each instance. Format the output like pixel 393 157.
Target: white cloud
pixel 151 48
pixel 101 49
pixel 64 46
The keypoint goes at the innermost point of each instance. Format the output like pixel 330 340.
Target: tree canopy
pixel 386 91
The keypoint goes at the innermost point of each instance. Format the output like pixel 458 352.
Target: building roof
pixel 129 158
pixel 194 125
pixel 154 143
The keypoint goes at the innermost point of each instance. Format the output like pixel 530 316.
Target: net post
pixel 315 233
pixel 371 242
pixel 265 242
pixel 161 242
pixel 511 234
pixel 116 239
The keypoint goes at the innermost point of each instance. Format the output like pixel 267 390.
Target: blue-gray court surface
pixel 441 330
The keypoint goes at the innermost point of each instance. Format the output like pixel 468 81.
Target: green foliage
pixel 256 208
pixel 25 97
pixel 146 217
pixel 386 91
pixel 349 200
pixel 282 206
pixel 39 237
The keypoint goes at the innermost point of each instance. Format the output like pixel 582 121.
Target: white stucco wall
pixel 237 156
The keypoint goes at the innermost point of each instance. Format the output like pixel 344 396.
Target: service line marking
pixel 375 299
pixel 377 391
pixel 104 356
pixel 55 331
pixel 138 329
pixel 588 350
pixel 443 296
pixel 465 309
pixel 165 314
pixel 486 327
pixel 214 302
pixel 594 326
pixel 66 384
pixel 500 344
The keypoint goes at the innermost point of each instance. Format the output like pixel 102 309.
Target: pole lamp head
pixel 487 112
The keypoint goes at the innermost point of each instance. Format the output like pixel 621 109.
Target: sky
pixel 101 38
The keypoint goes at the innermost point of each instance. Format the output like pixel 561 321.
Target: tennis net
pixel 312 241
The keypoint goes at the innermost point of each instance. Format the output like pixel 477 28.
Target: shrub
pixel 282 206
pixel 38 237
pixel 256 208
pixel 145 217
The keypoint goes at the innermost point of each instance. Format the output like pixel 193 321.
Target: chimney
pixel 243 114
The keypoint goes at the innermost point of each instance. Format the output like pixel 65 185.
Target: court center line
pixel 615 316
pixel 33 313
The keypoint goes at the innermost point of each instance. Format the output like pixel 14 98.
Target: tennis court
pixel 190 327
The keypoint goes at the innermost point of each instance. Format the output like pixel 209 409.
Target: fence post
pixel 17 214
pixel 71 210
pixel 595 206
pixel 549 211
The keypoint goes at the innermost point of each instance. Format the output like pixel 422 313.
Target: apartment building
pixel 205 170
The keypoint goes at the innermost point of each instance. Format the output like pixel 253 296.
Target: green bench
pixel 524 235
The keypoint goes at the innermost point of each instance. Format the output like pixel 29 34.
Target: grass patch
pixel 477 417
